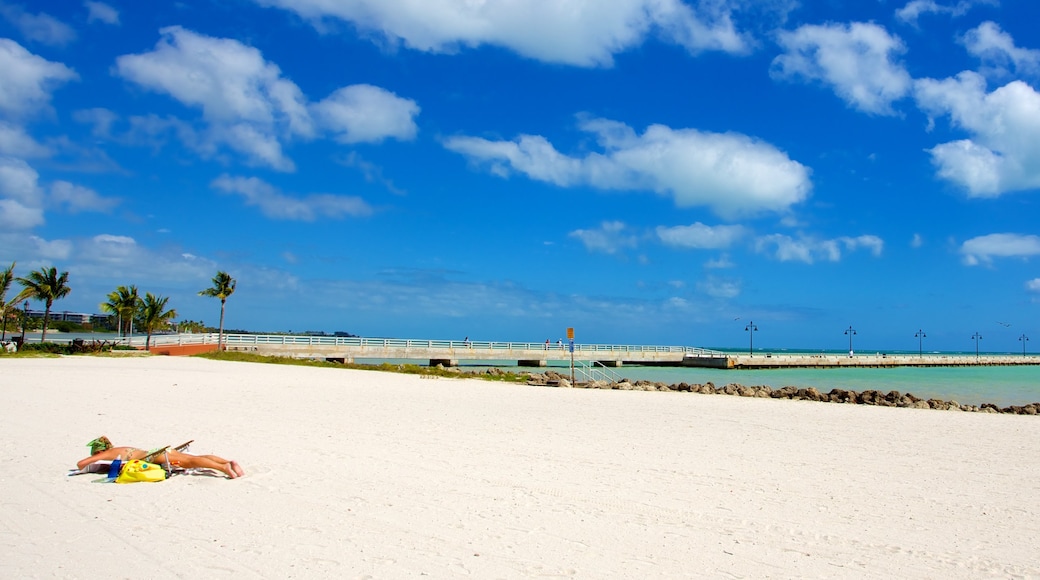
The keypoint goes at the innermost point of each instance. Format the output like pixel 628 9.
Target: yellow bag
pixel 138 470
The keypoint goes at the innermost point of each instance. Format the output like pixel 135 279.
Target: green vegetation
pixel 46 285
pixel 410 369
pixel 152 315
pixel 223 287
pixel 123 302
pixel 87 347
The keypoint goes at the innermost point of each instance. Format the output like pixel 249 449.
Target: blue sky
pixel 645 171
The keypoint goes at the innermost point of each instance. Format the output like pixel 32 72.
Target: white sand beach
pixel 356 474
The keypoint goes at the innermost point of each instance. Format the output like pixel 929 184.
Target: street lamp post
pixel 751 329
pixel 25 319
pixel 1023 339
pixel 977 338
pixel 920 337
pixel 850 332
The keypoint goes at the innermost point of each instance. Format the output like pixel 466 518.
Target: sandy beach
pixel 357 474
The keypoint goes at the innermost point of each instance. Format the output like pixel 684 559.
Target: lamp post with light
pixel 850 332
pixel 1023 339
pixel 920 336
pixel 751 329
pixel 977 338
pixel 25 320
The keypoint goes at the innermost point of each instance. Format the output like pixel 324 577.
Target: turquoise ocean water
pixel 1000 385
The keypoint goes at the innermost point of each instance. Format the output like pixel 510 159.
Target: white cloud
pixel 41 27
pixel 76 198
pixel 16 216
pixel 917 241
pixel 101 12
pixel 915 8
pixel 718 288
pixel 15 141
pixel 857 61
pixel 608 238
pixel 700 236
pixel 276 205
pixel 27 79
pixel 731 173
pixel 363 113
pixel 809 249
pixel 575 32
pixel 20 182
pixel 247 101
pixel 249 106
pixel 1033 285
pixel 1004 152
pixel 998 53
pixel 982 249
pixel 719 263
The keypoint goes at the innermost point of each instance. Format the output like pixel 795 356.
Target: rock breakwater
pixel 867 397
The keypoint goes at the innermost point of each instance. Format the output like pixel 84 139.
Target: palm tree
pixel 223 287
pixel 46 285
pixel 152 315
pixel 6 277
pixel 122 302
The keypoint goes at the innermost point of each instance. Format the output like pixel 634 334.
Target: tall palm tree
pixel 152 315
pixel 6 277
pixel 46 285
pixel 122 302
pixel 223 287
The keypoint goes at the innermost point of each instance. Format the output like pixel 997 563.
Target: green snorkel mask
pixel 100 444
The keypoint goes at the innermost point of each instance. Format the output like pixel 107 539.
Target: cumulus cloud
pixel 276 205
pixel 731 173
pixel 609 237
pixel 809 249
pixel 1003 153
pixel 982 249
pixel 700 236
pixel 250 107
pixel 1033 285
pixel 101 12
pixel 42 28
pixel 574 32
pixel 998 53
pixel 364 113
pixel 858 61
pixel 28 79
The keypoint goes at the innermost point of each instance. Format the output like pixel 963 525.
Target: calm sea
pixel 1000 385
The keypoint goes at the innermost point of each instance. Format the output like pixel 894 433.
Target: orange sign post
pixel 570 337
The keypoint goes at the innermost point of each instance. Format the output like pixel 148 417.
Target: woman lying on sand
pixel 102 449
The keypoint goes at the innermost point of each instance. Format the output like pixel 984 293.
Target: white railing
pixel 458 346
pixel 595 371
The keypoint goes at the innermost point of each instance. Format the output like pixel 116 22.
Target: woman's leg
pixel 231 468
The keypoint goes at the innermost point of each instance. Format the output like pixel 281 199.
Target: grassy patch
pixel 408 369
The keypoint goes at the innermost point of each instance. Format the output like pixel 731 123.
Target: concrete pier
pixel 789 361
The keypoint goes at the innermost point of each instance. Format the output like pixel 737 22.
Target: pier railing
pixel 457 346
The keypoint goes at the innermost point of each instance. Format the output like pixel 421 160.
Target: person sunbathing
pixel 101 449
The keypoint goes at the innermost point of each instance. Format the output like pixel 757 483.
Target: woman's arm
pixel 107 454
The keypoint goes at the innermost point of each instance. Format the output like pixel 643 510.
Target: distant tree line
pixel 148 314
